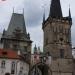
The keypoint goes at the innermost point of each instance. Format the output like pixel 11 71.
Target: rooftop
pixel 10 54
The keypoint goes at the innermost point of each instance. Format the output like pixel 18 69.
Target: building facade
pixel 57 39
pixel 13 63
pixel 17 39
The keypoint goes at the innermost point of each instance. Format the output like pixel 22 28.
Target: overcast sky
pixel 33 15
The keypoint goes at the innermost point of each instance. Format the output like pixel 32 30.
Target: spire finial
pixel 13 9
pixel 70 19
pixel 69 12
pixel 44 16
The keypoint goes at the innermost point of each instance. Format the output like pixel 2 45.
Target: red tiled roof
pixel 9 54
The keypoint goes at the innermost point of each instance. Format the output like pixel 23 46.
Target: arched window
pixel 62 53
pixel 13 68
pixel 3 64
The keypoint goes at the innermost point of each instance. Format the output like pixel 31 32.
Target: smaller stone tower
pixel 16 36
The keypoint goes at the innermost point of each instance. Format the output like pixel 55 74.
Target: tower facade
pixel 57 39
pixel 16 36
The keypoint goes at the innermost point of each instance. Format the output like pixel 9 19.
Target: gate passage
pixel 39 69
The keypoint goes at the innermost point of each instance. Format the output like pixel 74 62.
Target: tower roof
pixel 55 9
pixel 17 21
pixel 70 18
pixel 44 16
pixel 17 29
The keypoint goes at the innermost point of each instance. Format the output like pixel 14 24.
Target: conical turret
pixel 70 19
pixel 44 17
pixel 69 13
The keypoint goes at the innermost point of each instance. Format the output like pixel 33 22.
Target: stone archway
pixel 40 69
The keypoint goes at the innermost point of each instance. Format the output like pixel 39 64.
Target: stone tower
pixel 35 50
pixel 57 39
pixel 16 36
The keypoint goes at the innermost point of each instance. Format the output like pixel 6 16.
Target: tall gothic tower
pixel 57 39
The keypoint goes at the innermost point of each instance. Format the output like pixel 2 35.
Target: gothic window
pixel 55 37
pixel 55 29
pixel 62 53
pixel 3 64
pixel 60 29
pixel 13 68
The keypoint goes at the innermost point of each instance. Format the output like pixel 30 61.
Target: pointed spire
pixel 70 19
pixel 55 9
pixel 28 36
pixel 69 12
pixel 44 16
pixel 13 9
pixel 35 48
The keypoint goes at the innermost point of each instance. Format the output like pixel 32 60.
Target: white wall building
pixel 11 62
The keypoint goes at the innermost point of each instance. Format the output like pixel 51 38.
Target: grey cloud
pixel 34 16
pixel 36 34
pixel 34 12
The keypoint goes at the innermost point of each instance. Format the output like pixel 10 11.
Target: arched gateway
pixel 40 69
